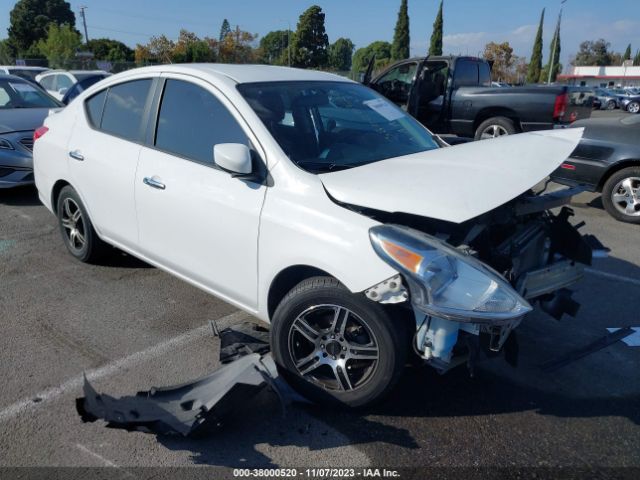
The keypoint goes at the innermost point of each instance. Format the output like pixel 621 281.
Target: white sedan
pixel 318 206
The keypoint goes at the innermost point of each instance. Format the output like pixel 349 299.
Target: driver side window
pixel 396 84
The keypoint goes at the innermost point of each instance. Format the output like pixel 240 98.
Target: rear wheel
pixel 621 195
pixel 495 127
pixel 337 347
pixel 611 105
pixel 78 233
pixel 633 107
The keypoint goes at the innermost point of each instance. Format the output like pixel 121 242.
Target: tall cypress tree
pixel 400 46
pixel 636 59
pixel 535 65
pixel 436 37
pixel 225 29
pixel 554 56
pixel 627 53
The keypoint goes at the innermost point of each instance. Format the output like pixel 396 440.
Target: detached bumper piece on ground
pixel 199 406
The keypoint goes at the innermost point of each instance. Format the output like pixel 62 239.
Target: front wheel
pixel 611 105
pixel 621 195
pixel 495 127
pixel 336 347
pixel 633 107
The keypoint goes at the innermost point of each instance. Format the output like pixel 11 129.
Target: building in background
pixel 624 76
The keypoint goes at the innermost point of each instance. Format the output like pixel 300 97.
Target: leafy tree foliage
pixel 435 47
pixel 274 47
pixel 400 45
pixel 535 65
pixel 109 49
pixel 595 53
pixel 636 59
pixel 627 53
pixel 225 29
pixel 310 44
pixel 190 48
pixel 6 57
pixel 340 53
pixel 237 47
pixel 30 19
pixel 554 54
pixel 382 51
pixel 501 55
pixel 61 45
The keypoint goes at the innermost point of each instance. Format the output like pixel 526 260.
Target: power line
pixel 147 17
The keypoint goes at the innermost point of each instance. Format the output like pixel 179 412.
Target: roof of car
pixel 25 67
pixel 249 73
pixel 15 78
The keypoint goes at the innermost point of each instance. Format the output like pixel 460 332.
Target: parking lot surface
pixel 130 327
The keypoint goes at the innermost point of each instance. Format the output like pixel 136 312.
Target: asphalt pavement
pixel 130 327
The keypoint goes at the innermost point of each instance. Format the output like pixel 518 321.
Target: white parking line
pixel 76 382
pixel 613 276
pixel 105 461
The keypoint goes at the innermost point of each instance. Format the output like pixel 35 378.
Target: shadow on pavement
pixel 20 196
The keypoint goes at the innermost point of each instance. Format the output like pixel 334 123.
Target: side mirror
pixel 234 158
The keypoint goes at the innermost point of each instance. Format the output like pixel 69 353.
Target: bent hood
pixel 456 183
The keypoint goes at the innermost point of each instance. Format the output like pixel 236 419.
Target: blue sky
pixel 468 26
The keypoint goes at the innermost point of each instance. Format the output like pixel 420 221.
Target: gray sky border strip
pixel 75 383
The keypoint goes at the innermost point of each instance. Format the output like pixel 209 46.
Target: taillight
pixel 567 166
pixel 560 107
pixel 39 132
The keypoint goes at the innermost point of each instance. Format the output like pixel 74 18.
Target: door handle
pixel 76 155
pixel 154 183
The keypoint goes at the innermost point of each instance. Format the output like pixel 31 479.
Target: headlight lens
pixel 445 282
pixel 5 144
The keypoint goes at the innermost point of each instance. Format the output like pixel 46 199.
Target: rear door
pixel 195 219
pixel 104 150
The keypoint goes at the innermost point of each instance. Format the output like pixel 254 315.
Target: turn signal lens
pixel 40 131
pixel 405 257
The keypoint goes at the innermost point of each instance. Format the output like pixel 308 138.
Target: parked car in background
pixel 319 206
pixel 79 87
pixel 607 160
pixel 608 100
pixel 27 73
pixel 454 95
pixel 58 82
pixel 23 108
pixel 631 104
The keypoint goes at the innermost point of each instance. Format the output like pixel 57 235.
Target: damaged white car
pixel 320 207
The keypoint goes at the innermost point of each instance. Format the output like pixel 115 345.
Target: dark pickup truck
pixel 454 95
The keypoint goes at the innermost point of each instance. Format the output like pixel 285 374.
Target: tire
pixel 611 105
pixel 76 228
pixel 621 195
pixel 633 107
pixel 495 127
pixel 302 328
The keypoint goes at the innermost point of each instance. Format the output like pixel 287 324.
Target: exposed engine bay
pixel 539 253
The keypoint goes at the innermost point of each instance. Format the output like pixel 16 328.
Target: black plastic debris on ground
pixel 198 406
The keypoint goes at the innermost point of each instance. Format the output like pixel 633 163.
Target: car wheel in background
pixel 495 127
pixel 78 233
pixel 337 347
pixel 621 195
pixel 611 105
pixel 633 107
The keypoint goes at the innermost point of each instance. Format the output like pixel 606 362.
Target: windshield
pixel 26 74
pixel 84 76
pixel 326 126
pixel 20 94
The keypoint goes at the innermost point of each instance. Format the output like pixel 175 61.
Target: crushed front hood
pixel 456 183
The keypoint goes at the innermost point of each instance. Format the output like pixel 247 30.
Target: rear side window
pixel 192 121
pixel 95 106
pixel 47 82
pixel 124 109
pixel 466 74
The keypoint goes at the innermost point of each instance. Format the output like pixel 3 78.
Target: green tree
pixel 61 45
pixel 636 59
pixel 627 53
pixel 594 53
pixel 109 49
pixel 400 45
pixel 225 29
pixel 6 58
pixel 340 54
pixel 435 47
pixel 161 48
pixel 535 65
pixel 554 56
pixel 362 57
pixel 502 58
pixel 30 19
pixel 237 47
pixel 310 44
pixel 274 47
pixel 190 48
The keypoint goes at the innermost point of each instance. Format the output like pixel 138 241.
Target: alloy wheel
pixel 625 196
pixel 73 224
pixel 634 107
pixel 493 131
pixel 333 347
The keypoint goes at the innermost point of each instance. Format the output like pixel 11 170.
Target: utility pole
pixel 84 22
pixel 555 43
pixel 289 41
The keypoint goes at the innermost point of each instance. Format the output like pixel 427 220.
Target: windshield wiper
pixel 323 167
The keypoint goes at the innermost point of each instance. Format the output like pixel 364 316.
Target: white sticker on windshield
pixel 22 87
pixel 385 109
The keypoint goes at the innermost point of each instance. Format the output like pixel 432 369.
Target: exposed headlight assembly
pixel 445 282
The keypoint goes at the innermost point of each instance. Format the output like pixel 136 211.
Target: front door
pixel 194 218
pixel 104 150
